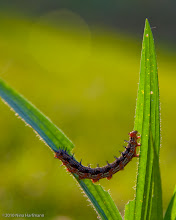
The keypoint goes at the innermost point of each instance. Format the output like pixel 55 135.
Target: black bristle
pixel 61 153
pixel 123 154
pixel 126 141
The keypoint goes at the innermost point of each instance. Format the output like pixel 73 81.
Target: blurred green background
pixel 83 74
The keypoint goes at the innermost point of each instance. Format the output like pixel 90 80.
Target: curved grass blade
pixel 171 210
pixel 56 139
pixel 101 199
pixel 147 123
pixel 52 135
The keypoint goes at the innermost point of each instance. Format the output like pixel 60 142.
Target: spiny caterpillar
pixel 95 174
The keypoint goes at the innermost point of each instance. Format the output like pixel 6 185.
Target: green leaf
pixel 100 199
pixel 52 135
pixel 147 123
pixel 56 139
pixel 171 210
pixel 129 210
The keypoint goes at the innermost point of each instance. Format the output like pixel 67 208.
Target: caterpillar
pixel 95 174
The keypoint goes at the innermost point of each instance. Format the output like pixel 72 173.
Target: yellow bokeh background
pixel 85 80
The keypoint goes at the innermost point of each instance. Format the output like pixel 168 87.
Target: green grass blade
pixel 101 199
pixel 142 124
pixel 129 210
pixel 171 210
pixel 147 123
pixel 56 139
pixel 52 135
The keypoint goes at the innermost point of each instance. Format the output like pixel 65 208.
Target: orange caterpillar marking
pixel 95 174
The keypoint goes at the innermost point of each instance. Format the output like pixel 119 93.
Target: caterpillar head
pixel 133 133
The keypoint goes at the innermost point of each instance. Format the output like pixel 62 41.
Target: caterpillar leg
pixel 95 180
pixel 109 177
